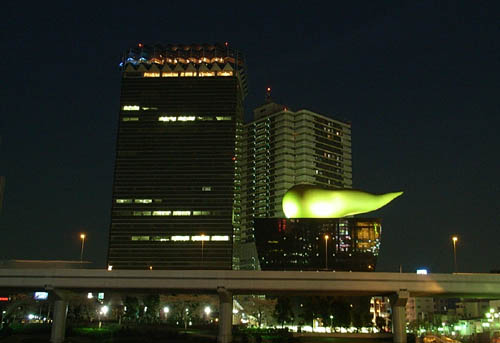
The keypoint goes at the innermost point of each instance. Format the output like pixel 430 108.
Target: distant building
pixel 176 188
pixel 44 264
pixel 419 309
pixel 2 190
pixel 282 148
pixel 345 244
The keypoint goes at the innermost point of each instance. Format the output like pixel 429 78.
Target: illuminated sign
pixel 4 299
pixel 308 201
pixel 422 271
pixel 41 295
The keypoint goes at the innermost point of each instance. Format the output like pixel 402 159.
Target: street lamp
pixel 331 321
pixel 454 239
pixel 326 251
pixel 208 310
pixel 202 246
pixel 82 237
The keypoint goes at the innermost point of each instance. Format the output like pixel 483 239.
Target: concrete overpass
pixel 399 286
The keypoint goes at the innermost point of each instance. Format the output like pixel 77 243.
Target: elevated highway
pixel 399 286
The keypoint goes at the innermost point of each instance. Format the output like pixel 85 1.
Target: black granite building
pixel 176 181
pixel 344 244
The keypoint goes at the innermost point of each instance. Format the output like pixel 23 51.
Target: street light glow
pixel 166 309
pixel 207 310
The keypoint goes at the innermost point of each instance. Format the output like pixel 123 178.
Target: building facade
pixel 341 244
pixel 175 202
pixel 282 148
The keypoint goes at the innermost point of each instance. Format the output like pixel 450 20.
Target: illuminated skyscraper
pixel 282 148
pixel 176 181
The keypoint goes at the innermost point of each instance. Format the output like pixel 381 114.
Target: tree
pixel 152 304
pixel 283 310
pixel 260 307
pixel 132 308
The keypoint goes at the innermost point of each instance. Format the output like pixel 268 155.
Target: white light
pixel 104 310
pixel 166 309
pixel 219 238
pixel 110 267
pixel 235 311
pixel 90 295
pixel 208 310
pixel 145 309
pixel 180 238
pixel 422 271
pixel 200 238
pixel 31 316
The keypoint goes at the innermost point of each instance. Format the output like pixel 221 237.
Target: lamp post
pixel 454 239
pixel 165 311
pixel 82 237
pixel 202 247
pixel 326 251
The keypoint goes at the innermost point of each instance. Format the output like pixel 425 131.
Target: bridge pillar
pixel 59 321
pixel 398 306
pixel 225 315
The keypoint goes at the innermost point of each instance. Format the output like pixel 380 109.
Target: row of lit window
pixel 165 213
pixel 189 74
pixel 137 201
pixel 216 238
pixel 192 118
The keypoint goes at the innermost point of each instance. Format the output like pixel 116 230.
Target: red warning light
pixel 4 299
pixel 268 89
pixel 226 43
pixel 140 45
pixel 234 158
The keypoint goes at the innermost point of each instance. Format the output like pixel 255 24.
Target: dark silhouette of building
pixel 176 181
pixel 341 244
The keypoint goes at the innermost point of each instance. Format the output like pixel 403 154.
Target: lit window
pixel 205 118
pixel 206 73
pixel 170 74
pixel 180 238
pixel 219 238
pixel 224 73
pixel 162 213
pixel 188 74
pixel 206 188
pixel 150 108
pixel 130 119
pixel 131 108
pixel 140 238
pixel 223 118
pixel 182 213
pixel 186 118
pixel 171 118
pixel 123 201
pixel 200 238
pixel 160 238
pixel 143 201
pixel 142 213
pixel 151 74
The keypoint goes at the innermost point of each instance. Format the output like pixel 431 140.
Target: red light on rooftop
pixel 226 43
pixel 140 45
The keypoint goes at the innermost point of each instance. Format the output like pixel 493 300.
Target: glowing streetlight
pixel 166 310
pixel 454 239
pixel 82 237
pixel 208 310
pixel 104 310
pixel 326 251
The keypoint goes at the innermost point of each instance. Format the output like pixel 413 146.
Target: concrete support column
pixel 225 315
pixel 59 321
pixel 398 306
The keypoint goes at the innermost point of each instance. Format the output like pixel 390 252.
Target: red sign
pixel 4 299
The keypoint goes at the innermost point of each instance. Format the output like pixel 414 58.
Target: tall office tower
pixel 283 148
pixel 176 181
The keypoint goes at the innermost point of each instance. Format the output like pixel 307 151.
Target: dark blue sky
pixel 418 81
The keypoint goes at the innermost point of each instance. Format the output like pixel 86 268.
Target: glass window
pixel 140 238
pixel 131 108
pixel 123 201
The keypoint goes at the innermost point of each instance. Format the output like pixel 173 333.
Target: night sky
pixel 418 81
